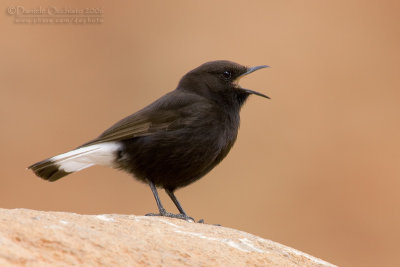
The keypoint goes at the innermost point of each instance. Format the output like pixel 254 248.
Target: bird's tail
pixel 81 158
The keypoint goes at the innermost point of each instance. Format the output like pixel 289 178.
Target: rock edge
pixel 41 238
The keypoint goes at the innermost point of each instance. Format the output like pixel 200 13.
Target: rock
pixel 38 238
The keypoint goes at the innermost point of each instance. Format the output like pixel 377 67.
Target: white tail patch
pixel 84 157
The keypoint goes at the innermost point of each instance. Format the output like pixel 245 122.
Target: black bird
pixel 174 141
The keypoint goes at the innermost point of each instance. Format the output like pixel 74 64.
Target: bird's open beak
pixel 250 70
pixel 253 69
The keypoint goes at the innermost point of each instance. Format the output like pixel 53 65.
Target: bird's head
pixel 219 80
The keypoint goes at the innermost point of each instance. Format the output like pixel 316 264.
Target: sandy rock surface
pixel 38 238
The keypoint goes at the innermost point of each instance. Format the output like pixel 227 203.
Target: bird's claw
pixel 171 215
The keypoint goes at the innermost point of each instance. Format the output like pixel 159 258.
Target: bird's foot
pixel 178 216
pixel 171 215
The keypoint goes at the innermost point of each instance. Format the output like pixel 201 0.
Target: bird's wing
pixel 165 114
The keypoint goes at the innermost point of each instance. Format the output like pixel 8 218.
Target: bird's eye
pixel 227 74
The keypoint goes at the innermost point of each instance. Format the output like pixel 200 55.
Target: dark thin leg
pixel 155 193
pixel 176 202
pixel 161 209
pixel 178 205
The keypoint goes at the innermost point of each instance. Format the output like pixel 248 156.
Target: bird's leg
pixel 178 205
pixel 176 202
pixel 161 209
pixel 159 205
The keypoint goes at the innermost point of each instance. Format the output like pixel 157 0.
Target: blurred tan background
pixel 316 167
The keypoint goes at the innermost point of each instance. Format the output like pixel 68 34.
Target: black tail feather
pixel 48 170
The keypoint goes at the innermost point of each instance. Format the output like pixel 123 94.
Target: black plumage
pixel 174 141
